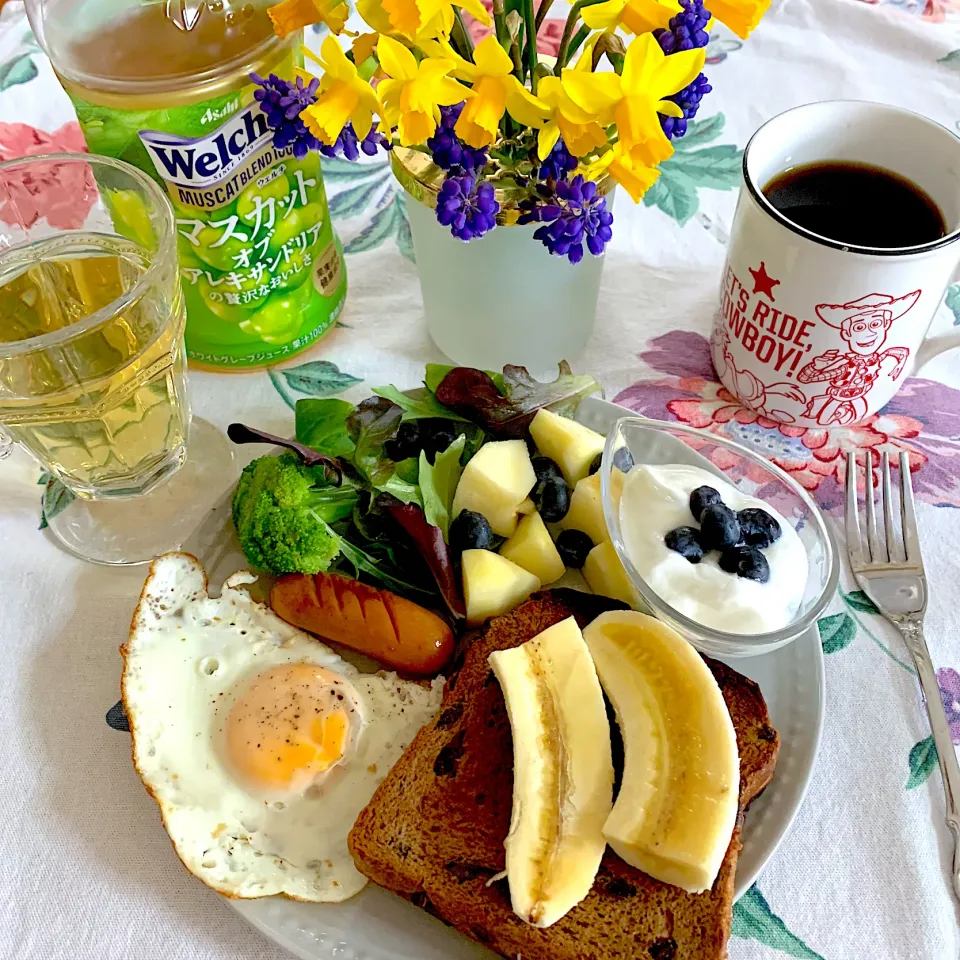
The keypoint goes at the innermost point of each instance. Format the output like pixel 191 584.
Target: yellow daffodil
pixel 585 63
pixel 343 96
pixel 290 15
pixel 633 100
pixel 741 16
pixel 635 16
pixel 363 47
pixel 418 19
pixel 495 90
pixel 580 131
pixel 413 92
pixel 374 15
pixel 636 178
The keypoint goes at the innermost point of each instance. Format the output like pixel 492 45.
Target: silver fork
pixel 890 571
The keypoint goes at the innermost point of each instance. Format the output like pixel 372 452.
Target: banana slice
pixel 678 800
pixel 562 771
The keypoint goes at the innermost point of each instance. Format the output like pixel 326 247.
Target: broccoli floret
pixel 283 510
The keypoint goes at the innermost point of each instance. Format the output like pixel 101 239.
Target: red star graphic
pixel 763 282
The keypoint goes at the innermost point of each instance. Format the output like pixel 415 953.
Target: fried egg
pixel 260 745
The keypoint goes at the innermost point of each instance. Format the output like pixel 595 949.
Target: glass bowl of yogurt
pixel 717 541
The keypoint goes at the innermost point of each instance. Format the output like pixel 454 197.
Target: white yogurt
pixel 656 500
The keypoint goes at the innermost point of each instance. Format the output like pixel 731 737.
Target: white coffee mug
pixel 814 332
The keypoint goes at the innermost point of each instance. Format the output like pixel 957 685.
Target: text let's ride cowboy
pixel 778 340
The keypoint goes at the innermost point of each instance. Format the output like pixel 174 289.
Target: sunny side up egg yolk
pixel 289 727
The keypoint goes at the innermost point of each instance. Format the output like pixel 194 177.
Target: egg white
pixel 187 657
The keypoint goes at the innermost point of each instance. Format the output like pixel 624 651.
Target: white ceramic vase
pixel 501 298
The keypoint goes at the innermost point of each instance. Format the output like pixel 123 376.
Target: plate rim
pixel 330 945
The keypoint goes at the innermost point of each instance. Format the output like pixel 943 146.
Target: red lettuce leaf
pixel 474 394
pixel 333 469
pixel 429 541
pixel 373 422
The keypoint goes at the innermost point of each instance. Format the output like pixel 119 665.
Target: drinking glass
pixel 92 365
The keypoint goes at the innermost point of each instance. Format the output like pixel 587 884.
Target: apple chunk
pixel 532 548
pixel 493 585
pixel 570 445
pixel 586 506
pixel 495 483
pixel 606 575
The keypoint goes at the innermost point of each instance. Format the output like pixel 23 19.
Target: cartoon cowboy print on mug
pixel 849 376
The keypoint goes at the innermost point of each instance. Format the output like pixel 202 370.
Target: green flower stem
pixel 906 666
pixel 500 25
pixel 460 36
pixel 578 39
pixel 531 49
pixel 563 53
pixel 542 12
pixel 517 61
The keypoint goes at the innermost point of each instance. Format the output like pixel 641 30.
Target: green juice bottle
pixel 165 86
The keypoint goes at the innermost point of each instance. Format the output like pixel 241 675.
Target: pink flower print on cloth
pixel 63 194
pixel 922 420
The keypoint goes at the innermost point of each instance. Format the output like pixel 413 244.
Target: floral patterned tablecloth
pixel 85 869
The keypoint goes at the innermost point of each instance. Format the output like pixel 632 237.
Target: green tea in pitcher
pixel 165 86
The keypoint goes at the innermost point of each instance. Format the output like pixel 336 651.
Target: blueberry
pixel 117 717
pixel 552 498
pixel 719 528
pixel 573 547
pixel 701 498
pixel 435 435
pixel 471 531
pixel 747 562
pixel 595 464
pixel 758 528
pixel 546 469
pixel 406 443
pixel 686 542
pixel 623 460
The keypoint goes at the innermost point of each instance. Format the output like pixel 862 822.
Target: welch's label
pixel 220 159
pixel 262 271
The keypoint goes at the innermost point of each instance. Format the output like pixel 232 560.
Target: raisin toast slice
pixel 434 830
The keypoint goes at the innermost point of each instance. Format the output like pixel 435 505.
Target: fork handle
pixel 912 631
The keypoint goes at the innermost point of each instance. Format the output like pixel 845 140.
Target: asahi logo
pixel 203 161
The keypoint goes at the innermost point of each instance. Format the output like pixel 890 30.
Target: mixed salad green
pixel 368 489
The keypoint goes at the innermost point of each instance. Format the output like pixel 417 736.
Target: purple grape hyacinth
pixel 560 161
pixel 687 30
pixel 348 145
pixel 282 101
pixel 577 215
pixel 449 151
pixel 467 207
pixel 688 99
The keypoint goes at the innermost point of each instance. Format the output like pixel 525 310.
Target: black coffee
pixel 856 203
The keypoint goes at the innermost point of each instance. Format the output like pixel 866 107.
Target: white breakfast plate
pixel 376 925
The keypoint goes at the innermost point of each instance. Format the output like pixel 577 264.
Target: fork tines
pixel 882 545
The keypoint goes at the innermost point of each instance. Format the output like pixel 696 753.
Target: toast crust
pixel 434 830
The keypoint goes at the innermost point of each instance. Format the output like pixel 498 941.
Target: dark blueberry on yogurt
pixel 719 527
pixel 746 562
pixel 686 542
pixel 701 498
pixel 623 460
pixel 758 528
